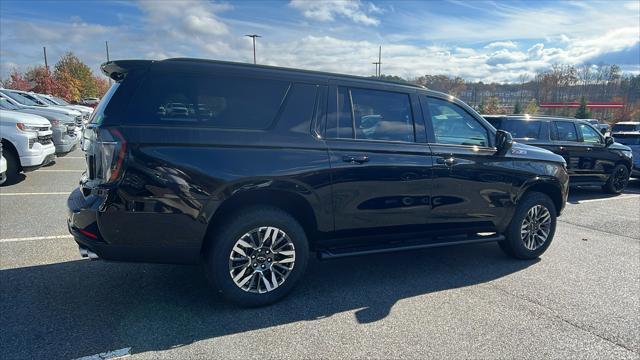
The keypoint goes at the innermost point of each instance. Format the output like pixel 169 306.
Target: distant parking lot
pixel 581 299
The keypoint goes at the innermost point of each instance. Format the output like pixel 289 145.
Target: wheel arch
pixel 292 203
pixel 548 187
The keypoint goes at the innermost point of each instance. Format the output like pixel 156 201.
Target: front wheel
pixel 258 257
pixel 532 227
pixel 13 167
pixel 617 181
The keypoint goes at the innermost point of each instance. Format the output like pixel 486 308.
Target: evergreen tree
pixel 583 112
pixel 517 109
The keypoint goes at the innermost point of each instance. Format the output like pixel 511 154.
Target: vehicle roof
pixel 627 123
pixel 113 68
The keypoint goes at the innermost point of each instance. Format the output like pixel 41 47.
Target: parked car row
pixel 592 159
pixel 36 128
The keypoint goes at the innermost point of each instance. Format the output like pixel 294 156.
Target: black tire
pixel 514 245
pixel 617 181
pixel 217 261
pixel 13 166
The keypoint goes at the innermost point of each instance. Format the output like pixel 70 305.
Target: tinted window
pixel 343 128
pixel 453 125
pixel 523 129
pixel 382 115
pixel 628 139
pixel 589 135
pixel 625 127
pixel 564 131
pixel 298 110
pixel 215 101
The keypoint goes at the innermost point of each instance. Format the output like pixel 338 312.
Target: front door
pixel 471 184
pixel 380 168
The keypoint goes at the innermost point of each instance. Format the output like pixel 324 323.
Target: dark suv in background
pixel 266 164
pixel 592 159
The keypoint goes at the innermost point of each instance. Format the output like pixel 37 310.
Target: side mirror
pixel 608 141
pixel 504 140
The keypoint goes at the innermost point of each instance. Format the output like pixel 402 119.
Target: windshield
pixel 6 105
pixel 20 99
pixel 47 100
pixel 59 101
pixel 628 139
pixel 625 127
pixel 35 99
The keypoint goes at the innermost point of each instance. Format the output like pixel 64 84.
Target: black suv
pixel 592 159
pixel 262 165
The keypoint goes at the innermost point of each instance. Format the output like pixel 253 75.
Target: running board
pixel 334 253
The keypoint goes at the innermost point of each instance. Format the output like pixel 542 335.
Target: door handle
pixel 588 149
pixel 448 161
pixel 355 159
pixel 561 147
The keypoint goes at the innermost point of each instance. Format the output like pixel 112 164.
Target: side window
pixel 523 129
pixel 212 101
pixel 564 131
pixel 589 135
pixel 382 115
pixel 453 125
pixel 345 121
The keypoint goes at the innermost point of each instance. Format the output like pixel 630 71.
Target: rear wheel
pixel 258 257
pixel 532 227
pixel 617 181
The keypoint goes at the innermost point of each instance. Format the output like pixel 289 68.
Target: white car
pixel 3 166
pixel 27 142
pixel 56 101
pixel 26 99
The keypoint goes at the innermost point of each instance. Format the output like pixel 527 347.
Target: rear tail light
pixel 106 154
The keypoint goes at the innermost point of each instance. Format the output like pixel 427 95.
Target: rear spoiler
pixel 118 69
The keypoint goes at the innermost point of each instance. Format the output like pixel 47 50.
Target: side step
pixel 334 253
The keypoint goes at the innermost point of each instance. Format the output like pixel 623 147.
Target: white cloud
pixel 502 44
pixel 327 10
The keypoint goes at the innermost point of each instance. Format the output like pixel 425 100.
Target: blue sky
pixel 478 40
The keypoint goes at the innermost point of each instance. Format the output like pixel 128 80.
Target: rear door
pixel 380 163
pixel 566 142
pixel 471 184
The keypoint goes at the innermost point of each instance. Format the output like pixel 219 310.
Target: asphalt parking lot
pixel 580 300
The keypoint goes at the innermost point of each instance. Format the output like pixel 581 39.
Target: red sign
pixel 575 104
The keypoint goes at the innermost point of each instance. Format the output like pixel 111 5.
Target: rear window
pixel 625 127
pixel 525 129
pixel 210 101
pixel 628 139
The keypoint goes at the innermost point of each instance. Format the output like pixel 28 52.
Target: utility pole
pixel 46 64
pixel 380 62
pixel 253 37
pixel 376 64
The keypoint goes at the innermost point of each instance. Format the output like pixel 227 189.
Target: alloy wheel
pixel 620 179
pixel 535 227
pixel 262 259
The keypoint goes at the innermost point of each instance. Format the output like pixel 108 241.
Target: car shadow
pixel 80 308
pixel 578 194
pixel 16 180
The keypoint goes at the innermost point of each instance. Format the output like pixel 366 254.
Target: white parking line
pixel 34 238
pixel 49 170
pixel 35 193
pixel 605 199
pixel 115 354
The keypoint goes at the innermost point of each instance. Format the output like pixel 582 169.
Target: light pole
pixel 253 37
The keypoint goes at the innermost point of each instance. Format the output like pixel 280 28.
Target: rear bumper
pixel 84 224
